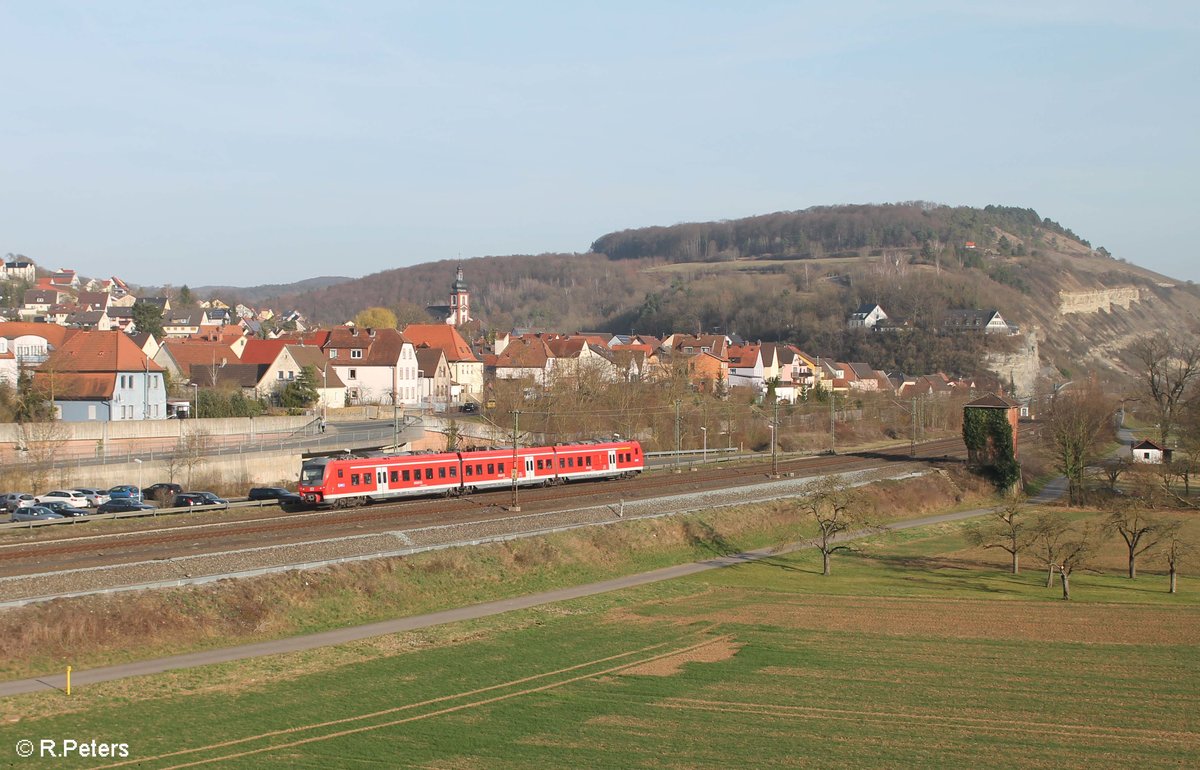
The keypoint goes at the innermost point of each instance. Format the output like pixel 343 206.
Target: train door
pixel 612 459
pixel 381 480
pixel 529 474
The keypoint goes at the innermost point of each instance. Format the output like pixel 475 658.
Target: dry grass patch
pixel 671 665
pixel 972 619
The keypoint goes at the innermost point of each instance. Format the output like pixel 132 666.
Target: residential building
pixel 102 376
pixel 465 367
pixel 378 366
pixel 32 343
pixel 987 321
pixel 866 316
pixel 18 268
pixel 436 380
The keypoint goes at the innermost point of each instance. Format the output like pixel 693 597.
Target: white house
pixel 378 366
pixel 866 316
pixel 1147 451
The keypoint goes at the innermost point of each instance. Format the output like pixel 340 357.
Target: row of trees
pixel 1060 545
pixel 1064 546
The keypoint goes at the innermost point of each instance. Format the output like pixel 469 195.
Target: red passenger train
pixel 348 481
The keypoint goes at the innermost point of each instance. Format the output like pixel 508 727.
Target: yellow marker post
pixel 68 680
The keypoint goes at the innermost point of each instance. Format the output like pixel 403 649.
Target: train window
pixel 406 477
pixel 442 472
pixel 353 478
pixel 453 472
pixel 562 463
pixel 540 465
pixel 570 462
pixel 478 469
pixel 467 470
pixel 340 473
pixel 491 468
pixel 395 476
pixel 429 473
pixel 500 468
pixel 589 461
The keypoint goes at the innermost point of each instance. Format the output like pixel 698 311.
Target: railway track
pixel 40 552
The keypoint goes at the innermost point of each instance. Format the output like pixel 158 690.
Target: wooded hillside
pixel 790 276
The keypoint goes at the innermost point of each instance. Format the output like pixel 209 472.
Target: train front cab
pixel 312 480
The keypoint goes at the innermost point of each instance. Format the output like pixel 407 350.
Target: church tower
pixel 460 301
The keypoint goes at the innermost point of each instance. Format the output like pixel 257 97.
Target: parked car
pixel 123 505
pixel 35 513
pixel 95 497
pixel 469 408
pixel 184 499
pixel 272 493
pixel 161 492
pixel 65 508
pixel 14 500
pixel 64 496
pixel 125 492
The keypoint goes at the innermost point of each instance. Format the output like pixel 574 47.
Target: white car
pixel 95 497
pixel 69 496
pixel 14 500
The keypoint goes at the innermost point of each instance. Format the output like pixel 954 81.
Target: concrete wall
pixel 152 429
pixel 255 468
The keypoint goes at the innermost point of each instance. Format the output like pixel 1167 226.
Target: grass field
pixel 917 651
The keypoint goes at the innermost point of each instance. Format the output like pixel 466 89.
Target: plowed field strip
pixel 410 706
pixel 987 724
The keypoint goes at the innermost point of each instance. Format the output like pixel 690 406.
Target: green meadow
pixel 916 652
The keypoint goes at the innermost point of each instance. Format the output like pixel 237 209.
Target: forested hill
pixel 826 231
pixel 796 276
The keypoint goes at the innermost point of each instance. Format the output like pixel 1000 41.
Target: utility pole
pixel 516 422
pixel 912 418
pixel 832 424
pixel 775 442
pixel 677 435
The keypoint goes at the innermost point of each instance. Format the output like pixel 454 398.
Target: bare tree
pixel 1078 548
pixel 192 448
pixel 1113 468
pixel 1007 529
pixel 1140 532
pixel 1170 365
pixel 1048 534
pixel 1076 427
pixel 837 509
pixel 1175 548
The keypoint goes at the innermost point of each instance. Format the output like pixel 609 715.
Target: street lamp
pixel 196 410
pixel 325 395
pixel 139 467
pixel 704 435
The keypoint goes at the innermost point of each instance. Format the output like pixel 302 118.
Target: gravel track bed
pixel 274 558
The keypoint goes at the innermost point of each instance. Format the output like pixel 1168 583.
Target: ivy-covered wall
pixel 989 439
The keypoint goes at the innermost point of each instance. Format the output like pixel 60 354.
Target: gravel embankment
pixel 252 561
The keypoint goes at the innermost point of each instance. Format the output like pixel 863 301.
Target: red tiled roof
pixel 442 336
pixel 76 386
pixel 187 353
pixel 96 351
pixel 52 333
pixel 262 351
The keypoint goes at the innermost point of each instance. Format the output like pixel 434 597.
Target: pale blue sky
pixel 205 142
